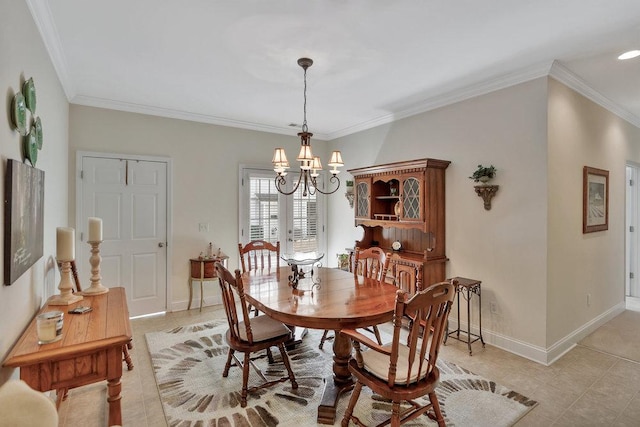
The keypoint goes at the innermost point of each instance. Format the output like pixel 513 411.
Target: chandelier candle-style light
pixel 310 165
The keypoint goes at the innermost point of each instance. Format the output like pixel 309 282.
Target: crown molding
pixel 129 107
pixel 451 97
pixel 562 74
pixel 41 14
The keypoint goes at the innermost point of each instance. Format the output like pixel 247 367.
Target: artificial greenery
pixel 349 183
pixel 483 171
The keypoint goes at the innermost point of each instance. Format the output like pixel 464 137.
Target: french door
pixel 296 221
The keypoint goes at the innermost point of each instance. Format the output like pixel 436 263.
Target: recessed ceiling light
pixel 630 54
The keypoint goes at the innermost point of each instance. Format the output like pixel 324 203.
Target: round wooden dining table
pixel 329 298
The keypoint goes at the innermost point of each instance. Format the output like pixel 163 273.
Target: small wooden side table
pixel 203 270
pixel 466 288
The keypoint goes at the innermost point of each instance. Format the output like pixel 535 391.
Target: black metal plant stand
pixel 467 288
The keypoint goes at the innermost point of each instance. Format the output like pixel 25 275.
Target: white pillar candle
pixel 65 244
pixel 95 229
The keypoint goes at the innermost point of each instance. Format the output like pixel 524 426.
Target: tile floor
pixel 586 387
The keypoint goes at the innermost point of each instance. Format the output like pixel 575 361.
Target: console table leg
pixel 114 387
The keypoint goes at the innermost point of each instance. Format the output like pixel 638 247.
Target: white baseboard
pixel 512 345
pixel 632 303
pixel 208 300
pixel 544 356
pixel 568 342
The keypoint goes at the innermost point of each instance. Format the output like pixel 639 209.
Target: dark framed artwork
pixel 595 200
pixel 23 218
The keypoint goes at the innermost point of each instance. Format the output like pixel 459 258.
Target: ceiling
pixel 234 63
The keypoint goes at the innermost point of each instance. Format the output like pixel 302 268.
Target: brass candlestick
pixel 66 296
pixel 96 287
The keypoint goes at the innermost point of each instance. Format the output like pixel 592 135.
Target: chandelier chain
pixel 305 128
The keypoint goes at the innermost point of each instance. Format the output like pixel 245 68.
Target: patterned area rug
pixel 188 363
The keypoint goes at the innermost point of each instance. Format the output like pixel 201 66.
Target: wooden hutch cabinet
pixel 405 202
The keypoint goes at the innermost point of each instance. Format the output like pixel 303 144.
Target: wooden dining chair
pixel 403 372
pixel 370 263
pixel 259 255
pixel 250 335
pixel 405 273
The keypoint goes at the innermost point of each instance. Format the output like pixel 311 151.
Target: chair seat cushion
pixel 378 364
pixel 263 328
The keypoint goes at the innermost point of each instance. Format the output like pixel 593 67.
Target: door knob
pixel 161 245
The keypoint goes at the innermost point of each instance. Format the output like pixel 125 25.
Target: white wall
pixel 22 55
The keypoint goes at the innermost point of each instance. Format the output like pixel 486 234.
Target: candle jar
pixel 49 326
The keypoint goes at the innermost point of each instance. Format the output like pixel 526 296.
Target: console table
pixel 90 350
pixel 466 288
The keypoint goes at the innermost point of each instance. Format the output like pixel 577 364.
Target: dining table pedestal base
pixel 340 382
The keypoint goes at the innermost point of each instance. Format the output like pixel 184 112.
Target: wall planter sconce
pixel 486 192
pixel 349 194
pixel 485 174
pixel 349 197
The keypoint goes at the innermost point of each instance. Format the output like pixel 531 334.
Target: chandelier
pixel 310 165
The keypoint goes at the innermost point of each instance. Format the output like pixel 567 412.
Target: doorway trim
pixel 169 162
pixel 632 240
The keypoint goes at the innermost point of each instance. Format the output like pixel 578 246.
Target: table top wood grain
pixel 330 299
pixel 106 325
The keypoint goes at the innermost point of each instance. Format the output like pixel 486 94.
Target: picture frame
pixel 23 218
pixel 595 200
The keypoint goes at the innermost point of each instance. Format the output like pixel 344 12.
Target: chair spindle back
pixel 230 286
pixel 259 255
pixel 371 263
pixel 427 313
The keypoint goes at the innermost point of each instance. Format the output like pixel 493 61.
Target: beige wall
pixel 504 247
pixel 582 133
pixel 22 55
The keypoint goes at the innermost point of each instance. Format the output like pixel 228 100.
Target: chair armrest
pixel 359 337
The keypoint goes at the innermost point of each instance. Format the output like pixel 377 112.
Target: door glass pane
pixel 305 222
pixel 263 209
pixel 411 205
pixel 363 200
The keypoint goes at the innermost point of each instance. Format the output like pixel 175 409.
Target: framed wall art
pixel 595 200
pixel 23 218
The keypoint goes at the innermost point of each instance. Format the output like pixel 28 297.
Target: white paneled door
pixel 130 195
